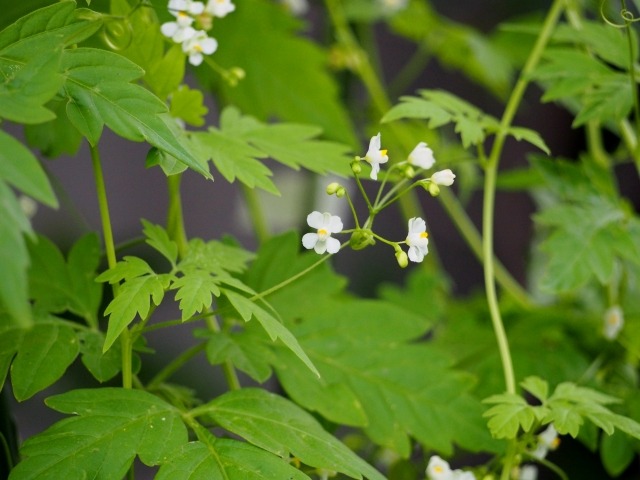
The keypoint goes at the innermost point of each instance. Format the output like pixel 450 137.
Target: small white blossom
pixel 321 241
pixel 393 6
pixel 613 322
pixel 462 475
pixel 443 177
pixel 28 206
pixel 188 6
pixel 220 8
pixel 438 469
pixel 422 156
pixel 198 45
pixel 181 29
pixel 528 472
pixel 418 241
pixel 547 440
pixel 296 7
pixel 375 156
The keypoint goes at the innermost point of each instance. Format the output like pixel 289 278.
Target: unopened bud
pixel 355 167
pixel 409 172
pixel 341 192
pixel 433 189
pixel 402 259
pixel 332 188
pixel 361 239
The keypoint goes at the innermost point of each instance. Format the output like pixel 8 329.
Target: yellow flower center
pixel 322 232
pixel 424 235
pixel 383 152
pixel 555 443
pixel 198 47
pixel 438 469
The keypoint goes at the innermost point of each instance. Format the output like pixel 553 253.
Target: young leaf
pixel 536 387
pixel 128 109
pixel 126 269
pixel 187 104
pixel 102 365
pixel 282 428
pixel 248 351
pixel 509 415
pixel 226 459
pixel 248 309
pixel 134 298
pixel 617 452
pixel 195 292
pixel 45 353
pixel 111 426
pixel 215 257
pixel 159 239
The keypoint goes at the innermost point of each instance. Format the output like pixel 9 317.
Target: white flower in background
pixel 418 241
pixel 296 7
pixel 187 6
pixel 528 472
pixel 181 29
pixel 438 469
pixel 28 206
pixel 321 241
pixel 375 156
pixel 443 177
pixel 422 156
pixel 547 440
pixel 198 45
pixel 613 322
pixel 220 8
pixel 392 6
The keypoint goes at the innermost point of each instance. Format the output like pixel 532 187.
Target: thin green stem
pixel 175 221
pixel 256 213
pixel 490 190
pixel 109 245
pixel 175 365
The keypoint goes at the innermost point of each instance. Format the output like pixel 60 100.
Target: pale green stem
pixel 175 365
pixel 256 213
pixel 109 245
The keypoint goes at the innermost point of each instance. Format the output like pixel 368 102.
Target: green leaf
pixel 46 351
pixel 226 459
pixel 530 136
pixel 159 239
pixel 187 104
pixel 248 309
pixel 99 92
pixel 215 257
pixel 21 169
pixel 195 292
pixel 610 97
pixel 282 428
pixel 134 298
pixel 126 269
pixel 510 413
pixel 111 426
pixel 247 351
pixel 75 288
pixel 14 258
pixel 57 136
pixel 10 340
pixel 102 365
pixel 617 452
pixel 286 74
pixel 536 387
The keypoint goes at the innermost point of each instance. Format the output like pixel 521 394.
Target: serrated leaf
pixel 128 109
pixel 14 258
pixel 610 97
pixel 75 289
pixel 294 86
pixel 111 426
pixel 226 459
pixel 134 298
pixel 195 292
pixel 536 387
pixel 215 257
pixel 126 269
pixel 509 415
pixel 187 104
pixel 282 428
pixel 46 351
pixel 57 136
pixel 276 330
pixel 234 158
pixel 247 351
pixel 159 239
pixel 10 340
pixel 530 136
pixel 102 365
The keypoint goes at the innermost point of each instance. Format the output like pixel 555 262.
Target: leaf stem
pixel 256 213
pixel 175 219
pixel 109 245
pixel 175 365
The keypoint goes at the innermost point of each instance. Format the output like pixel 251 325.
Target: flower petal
pixel 335 224
pixel 333 245
pixel 309 240
pixel 417 225
pixel 415 255
pixel 315 220
pixel 321 246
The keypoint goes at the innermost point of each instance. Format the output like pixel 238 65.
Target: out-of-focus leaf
pixel 187 104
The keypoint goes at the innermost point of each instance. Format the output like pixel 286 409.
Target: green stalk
pixel 256 214
pixel 109 245
pixel 175 365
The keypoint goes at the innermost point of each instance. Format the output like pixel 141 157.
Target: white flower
pixel 220 8
pixel 528 472
pixel 438 469
pixel 462 475
pixel 325 224
pixel 198 45
pixel 296 7
pixel 180 30
pixel 443 177
pixel 613 322
pixel 188 6
pixel 547 440
pixel 375 156
pixel 418 241
pixel 393 6
pixel 422 156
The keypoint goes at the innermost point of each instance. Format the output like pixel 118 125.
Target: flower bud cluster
pixel 190 14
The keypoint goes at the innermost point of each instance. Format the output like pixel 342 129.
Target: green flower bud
pixel 361 239
pixel 409 172
pixel 402 259
pixel 433 189
pixel 333 188
pixel 355 167
pixel 341 192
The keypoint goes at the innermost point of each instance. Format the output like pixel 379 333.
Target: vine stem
pixel 109 245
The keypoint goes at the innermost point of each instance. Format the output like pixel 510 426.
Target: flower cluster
pixel 190 14
pixel 439 469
